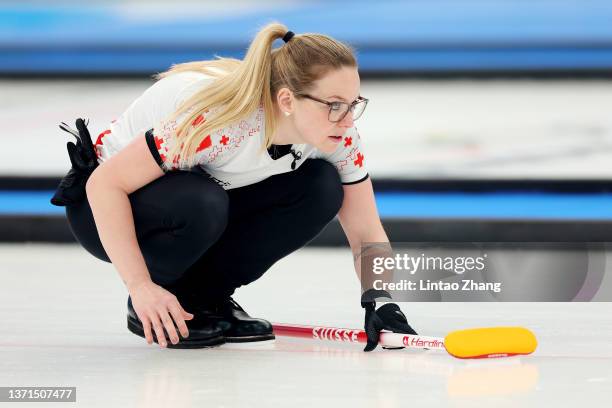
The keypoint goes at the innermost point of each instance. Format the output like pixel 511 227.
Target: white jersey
pixel 233 155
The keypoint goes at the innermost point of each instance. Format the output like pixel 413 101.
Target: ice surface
pixel 63 324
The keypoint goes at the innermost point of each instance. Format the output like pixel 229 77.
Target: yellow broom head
pixel 490 342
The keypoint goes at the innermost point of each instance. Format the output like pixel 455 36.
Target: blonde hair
pixel 241 86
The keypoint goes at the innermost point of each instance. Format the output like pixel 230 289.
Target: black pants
pixel 200 240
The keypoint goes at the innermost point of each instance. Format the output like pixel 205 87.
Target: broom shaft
pixel 357 336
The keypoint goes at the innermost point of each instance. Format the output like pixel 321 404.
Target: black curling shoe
pixel 236 324
pixel 202 333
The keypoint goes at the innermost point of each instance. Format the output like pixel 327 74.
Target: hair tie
pixel 288 36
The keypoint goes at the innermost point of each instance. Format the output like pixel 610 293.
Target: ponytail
pixel 242 86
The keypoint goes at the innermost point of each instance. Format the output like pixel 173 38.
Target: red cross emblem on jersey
pixel 198 120
pixel 204 144
pixel 348 141
pixel 359 161
pixel 101 135
pixel 224 140
pixel 158 144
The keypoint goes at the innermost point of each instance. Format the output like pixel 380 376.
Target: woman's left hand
pixel 387 317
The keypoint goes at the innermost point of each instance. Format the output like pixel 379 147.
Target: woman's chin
pixel 329 145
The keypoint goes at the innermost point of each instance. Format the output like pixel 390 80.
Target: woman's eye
pixel 336 106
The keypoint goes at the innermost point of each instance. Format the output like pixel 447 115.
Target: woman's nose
pixel 347 121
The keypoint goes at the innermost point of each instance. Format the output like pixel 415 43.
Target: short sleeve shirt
pixel 232 155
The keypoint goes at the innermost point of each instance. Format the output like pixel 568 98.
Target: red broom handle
pixel 357 336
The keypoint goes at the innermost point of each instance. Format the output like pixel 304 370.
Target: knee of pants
pixel 202 215
pixel 323 187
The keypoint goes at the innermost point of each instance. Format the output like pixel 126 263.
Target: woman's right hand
pixel 157 308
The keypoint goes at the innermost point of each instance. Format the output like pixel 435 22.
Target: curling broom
pixel 487 342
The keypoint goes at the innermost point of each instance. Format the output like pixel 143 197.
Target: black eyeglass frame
pixel 351 106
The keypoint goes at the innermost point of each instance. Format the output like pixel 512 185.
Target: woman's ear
pixel 284 99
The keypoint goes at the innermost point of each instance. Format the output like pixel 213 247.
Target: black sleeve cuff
pixel 153 148
pixel 358 181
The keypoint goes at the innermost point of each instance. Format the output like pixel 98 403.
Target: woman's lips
pixel 336 139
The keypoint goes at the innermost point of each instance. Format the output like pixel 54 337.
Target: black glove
pixel 71 189
pixel 387 317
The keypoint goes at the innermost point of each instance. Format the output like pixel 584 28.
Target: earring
pixel 287 113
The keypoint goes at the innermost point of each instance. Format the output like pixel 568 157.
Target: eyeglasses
pixel 338 110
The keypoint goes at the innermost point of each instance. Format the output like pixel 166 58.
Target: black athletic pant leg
pixel 177 217
pixel 266 222
pixel 198 238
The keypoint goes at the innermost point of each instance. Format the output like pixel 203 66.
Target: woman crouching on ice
pixel 217 171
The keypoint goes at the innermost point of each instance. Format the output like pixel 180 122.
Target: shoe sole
pixel 182 344
pixel 248 339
